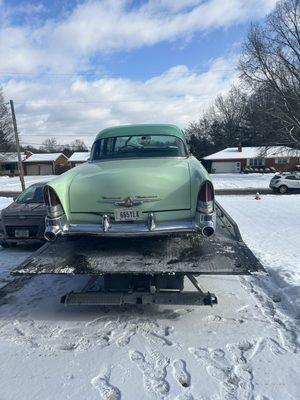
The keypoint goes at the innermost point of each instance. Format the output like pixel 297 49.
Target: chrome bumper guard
pixel 59 226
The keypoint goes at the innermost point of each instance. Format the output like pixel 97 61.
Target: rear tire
pixel 283 189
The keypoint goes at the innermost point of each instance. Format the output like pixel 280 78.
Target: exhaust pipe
pixel 51 233
pixel 208 230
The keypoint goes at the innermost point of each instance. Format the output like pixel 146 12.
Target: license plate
pixel 127 214
pixel 21 233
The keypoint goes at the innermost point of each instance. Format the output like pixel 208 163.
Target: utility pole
pixel 20 164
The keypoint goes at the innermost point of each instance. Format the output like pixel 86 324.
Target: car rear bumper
pixel 201 223
pixel 8 239
pixel 7 233
pixel 273 185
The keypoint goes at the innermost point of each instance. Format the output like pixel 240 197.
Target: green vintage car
pixel 140 180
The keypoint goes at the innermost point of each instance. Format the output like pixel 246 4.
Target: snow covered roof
pixel 10 157
pixel 253 152
pixel 78 156
pixel 44 157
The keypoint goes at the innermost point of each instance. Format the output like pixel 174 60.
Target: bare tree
pixel 50 145
pixel 271 62
pixel 199 138
pixel 229 114
pixel 6 128
pixel 78 145
pixel 225 124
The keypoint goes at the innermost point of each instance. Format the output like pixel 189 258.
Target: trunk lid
pixel 161 184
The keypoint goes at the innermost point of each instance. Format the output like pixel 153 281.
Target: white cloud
pixel 53 100
pixel 78 108
pixel 95 27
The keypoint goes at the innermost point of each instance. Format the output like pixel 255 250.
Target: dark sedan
pixel 24 219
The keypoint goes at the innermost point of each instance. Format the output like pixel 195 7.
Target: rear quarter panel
pixel 61 186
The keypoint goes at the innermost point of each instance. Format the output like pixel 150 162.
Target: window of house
pixel 257 162
pixel 283 160
pixel 9 166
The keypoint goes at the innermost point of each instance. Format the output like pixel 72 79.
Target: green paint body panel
pixel 175 182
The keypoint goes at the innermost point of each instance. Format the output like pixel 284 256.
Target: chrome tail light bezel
pixel 53 203
pixel 206 198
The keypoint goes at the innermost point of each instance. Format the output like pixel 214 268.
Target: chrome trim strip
pixel 130 230
pixel 150 228
pixel 143 212
pixel 128 202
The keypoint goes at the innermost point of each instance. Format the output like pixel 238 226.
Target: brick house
pixel 252 159
pixel 46 164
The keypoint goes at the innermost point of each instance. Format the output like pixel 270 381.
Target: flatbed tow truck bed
pixel 145 270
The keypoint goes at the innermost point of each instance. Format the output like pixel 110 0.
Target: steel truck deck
pixel 127 260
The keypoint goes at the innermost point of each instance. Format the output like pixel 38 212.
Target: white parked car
pixel 284 182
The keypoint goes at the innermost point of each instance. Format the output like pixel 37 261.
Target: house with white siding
pixel 257 159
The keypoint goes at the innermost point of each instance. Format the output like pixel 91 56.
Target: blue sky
pixel 76 67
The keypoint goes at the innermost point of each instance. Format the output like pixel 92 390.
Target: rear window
pixel 34 194
pixel 139 146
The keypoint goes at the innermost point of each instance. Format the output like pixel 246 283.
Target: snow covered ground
pixel 273 235
pixel 244 348
pixel 5 201
pixel 12 184
pixel 241 181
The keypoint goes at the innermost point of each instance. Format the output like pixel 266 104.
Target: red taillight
pixel 51 198
pixel 205 203
pixel 206 192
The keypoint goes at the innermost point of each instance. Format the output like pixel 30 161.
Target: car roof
pixel 141 129
pixel 284 174
pixel 38 184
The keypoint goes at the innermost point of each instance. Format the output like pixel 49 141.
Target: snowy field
pixel 244 348
pixel 241 181
pixel 273 235
pixel 12 184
